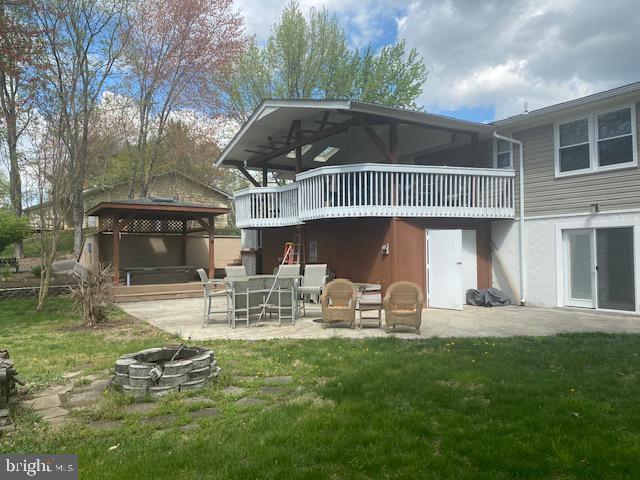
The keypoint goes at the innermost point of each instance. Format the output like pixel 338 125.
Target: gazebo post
pixel 116 249
pixel 211 242
pixel 183 255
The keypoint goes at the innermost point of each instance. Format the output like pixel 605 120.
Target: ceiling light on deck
pixel 326 154
pixel 305 149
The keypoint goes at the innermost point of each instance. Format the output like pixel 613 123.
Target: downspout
pixel 523 277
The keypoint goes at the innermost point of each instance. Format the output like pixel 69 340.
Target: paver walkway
pixel 54 404
pixel 184 317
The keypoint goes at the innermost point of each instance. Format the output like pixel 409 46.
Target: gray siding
pixel 547 195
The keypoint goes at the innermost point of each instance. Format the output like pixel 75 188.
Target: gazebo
pixel 154 216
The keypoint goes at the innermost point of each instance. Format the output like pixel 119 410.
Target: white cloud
pixel 493 53
pixel 362 18
pixel 503 53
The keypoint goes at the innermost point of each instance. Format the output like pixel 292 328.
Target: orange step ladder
pixel 291 254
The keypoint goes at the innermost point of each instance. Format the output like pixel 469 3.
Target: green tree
pixel 309 57
pixel 12 228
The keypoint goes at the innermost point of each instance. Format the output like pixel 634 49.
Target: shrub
pixel 36 271
pixel 12 228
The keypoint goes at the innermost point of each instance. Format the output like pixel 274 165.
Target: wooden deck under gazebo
pixel 150 219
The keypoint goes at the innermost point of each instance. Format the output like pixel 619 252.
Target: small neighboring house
pixel 544 205
pixel 175 186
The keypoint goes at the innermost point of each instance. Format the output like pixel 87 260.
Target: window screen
pixel 574 145
pixel 503 154
pixel 615 139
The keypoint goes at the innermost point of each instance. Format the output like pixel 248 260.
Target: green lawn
pixel 563 407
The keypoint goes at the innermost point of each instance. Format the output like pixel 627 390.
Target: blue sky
pixel 487 58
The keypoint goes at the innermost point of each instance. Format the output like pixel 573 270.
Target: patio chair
pixel 403 305
pixel 315 278
pixel 339 303
pixel 210 294
pixel 288 271
pixel 235 272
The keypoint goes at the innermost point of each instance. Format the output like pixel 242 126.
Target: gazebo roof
pixel 157 208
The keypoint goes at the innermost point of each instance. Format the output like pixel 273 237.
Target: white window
pixel 615 138
pixel 599 141
pixel 503 153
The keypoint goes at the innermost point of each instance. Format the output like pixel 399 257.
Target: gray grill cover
pixel 488 297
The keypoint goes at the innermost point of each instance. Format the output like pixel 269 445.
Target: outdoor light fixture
pixel 385 249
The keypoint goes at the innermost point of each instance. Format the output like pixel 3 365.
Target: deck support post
pixel 211 230
pixel 265 178
pixel 116 249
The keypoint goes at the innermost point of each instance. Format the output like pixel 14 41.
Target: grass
pixel 562 407
pixel 32 245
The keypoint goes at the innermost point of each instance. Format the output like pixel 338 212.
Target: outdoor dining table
pixel 261 295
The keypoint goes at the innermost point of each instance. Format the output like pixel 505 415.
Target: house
pixel 544 205
pixel 176 186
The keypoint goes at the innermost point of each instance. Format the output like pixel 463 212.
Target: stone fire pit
pixel 152 372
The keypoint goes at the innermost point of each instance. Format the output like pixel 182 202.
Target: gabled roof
pixel 91 190
pixel 157 207
pixel 542 113
pixel 272 119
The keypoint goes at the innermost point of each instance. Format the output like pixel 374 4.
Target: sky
pixel 486 58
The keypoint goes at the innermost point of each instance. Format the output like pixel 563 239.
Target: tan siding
pixel 546 195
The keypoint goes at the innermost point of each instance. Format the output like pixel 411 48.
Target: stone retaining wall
pixel 32 292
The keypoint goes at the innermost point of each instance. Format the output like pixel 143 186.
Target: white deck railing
pixel 380 190
pixel 267 206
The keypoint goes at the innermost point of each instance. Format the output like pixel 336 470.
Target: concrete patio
pixel 183 317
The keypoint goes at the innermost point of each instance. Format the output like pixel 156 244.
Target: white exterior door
pixel 469 262
pixel 579 267
pixel 444 267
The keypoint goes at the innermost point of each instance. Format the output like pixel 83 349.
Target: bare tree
pixel 18 45
pixel 83 40
pixel 50 167
pixel 176 56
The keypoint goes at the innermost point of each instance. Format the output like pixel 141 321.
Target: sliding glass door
pixel 599 268
pixel 614 257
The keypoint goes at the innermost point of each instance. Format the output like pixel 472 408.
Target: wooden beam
pixel 211 247
pixel 393 142
pixel 290 134
pixel 247 175
pixel 265 178
pixel 327 122
pixel 327 132
pixel 259 152
pixel 271 140
pixel 325 119
pixel 375 139
pixel 298 135
pixel 286 168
